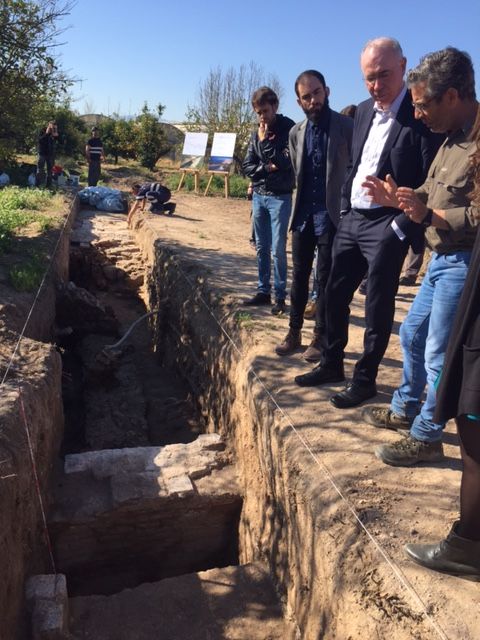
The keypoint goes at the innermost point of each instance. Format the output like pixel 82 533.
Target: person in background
pixel 412 265
pixel 95 155
pixel 155 194
pixel 267 164
pixel 350 110
pixel 458 395
pixel 46 155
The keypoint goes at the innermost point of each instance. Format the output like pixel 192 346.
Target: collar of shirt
pixel 468 125
pixel 463 132
pixel 392 111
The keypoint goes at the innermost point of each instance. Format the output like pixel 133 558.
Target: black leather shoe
pixel 454 555
pixel 353 395
pixel 320 375
pixel 258 300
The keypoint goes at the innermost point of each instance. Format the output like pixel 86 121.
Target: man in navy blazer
pixel 320 149
pixel 370 238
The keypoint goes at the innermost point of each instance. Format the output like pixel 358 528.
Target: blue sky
pixel 126 53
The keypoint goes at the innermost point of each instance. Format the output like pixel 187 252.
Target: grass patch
pixel 28 275
pixel 20 207
pixel 245 320
pixel 238 184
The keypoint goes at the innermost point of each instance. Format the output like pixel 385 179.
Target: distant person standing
pixel 94 153
pixel 46 155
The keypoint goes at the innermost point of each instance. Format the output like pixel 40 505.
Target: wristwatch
pixel 427 221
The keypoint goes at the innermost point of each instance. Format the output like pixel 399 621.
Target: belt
pixel 377 212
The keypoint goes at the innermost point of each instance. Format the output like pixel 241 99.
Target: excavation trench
pixel 142 492
pixel 121 516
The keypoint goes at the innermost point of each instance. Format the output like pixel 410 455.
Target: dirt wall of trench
pixel 31 424
pixel 296 523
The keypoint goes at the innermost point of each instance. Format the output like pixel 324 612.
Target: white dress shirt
pixel 372 150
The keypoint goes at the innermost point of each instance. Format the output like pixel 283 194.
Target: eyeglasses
pixel 422 106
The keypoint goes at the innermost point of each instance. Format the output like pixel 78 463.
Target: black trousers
pixel 303 251
pixel 94 170
pixel 44 171
pixel 365 241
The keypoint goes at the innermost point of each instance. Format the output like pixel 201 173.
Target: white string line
pixel 37 482
pixel 396 570
pixel 20 338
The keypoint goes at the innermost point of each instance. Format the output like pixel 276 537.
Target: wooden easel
pixel 196 178
pixel 226 176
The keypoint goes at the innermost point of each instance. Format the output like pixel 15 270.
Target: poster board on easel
pixel 193 156
pixel 221 158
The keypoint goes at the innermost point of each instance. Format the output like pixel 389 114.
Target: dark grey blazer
pixel 339 148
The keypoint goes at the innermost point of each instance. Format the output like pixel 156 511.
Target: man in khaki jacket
pixel 443 95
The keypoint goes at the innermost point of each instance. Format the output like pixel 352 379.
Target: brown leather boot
pixel 292 342
pixel 313 353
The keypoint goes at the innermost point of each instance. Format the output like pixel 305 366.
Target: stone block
pixel 108 462
pixel 49 620
pixel 208 441
pixel 46 587
pixel 178 483
pixel 128 487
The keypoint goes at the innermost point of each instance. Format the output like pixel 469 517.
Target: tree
pixel 224 102
pixel 118 137
pixel 150 139
pixel 29 72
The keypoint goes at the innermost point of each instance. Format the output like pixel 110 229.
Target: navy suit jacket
pixel 406 156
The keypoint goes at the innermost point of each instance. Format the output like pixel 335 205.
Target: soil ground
pixel 397 505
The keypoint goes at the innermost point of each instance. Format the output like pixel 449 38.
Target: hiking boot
pixel 310 310
pixel 385 418
pixel 279 308
pixel 455 555
pixel 258 300
pixel 409 451
pixel 292 342
pixel 313 353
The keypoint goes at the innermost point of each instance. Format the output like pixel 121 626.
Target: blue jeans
pixel 270 219
pixel 424 337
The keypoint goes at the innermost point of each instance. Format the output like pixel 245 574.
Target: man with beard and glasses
pixel 387 140
pixel 320 149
